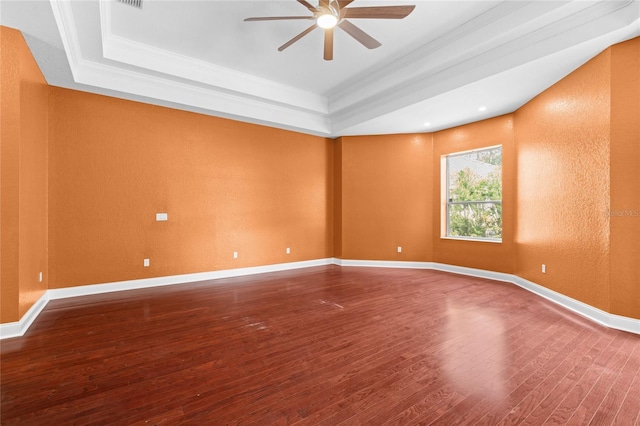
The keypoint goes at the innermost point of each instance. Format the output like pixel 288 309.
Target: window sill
pixel 477 240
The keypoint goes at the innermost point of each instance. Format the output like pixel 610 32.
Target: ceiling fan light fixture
pixel 329 14
pixel 327 21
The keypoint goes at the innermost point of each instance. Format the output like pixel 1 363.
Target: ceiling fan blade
pixel 365 39
pixel 328 44
pixel 296 38
pixel 324 3
pixel 379 12
pixel 307 5
pixel 344 3
pixel 277 18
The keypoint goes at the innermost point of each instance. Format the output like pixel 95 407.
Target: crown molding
pixel 240 108
pixel 218 101
pixel 63 16
pixel 430 56
pixel 500 41
pixel 432 70
pixel 218 78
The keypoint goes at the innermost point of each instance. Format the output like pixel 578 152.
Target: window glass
pixel 474 194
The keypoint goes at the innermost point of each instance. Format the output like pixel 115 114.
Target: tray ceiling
pixel 439 65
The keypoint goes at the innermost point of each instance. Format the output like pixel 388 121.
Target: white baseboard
pixel 601 317
pixel 86 290
pixel 606 319
pixel 384 264
pixel 480 273
pixel 16 329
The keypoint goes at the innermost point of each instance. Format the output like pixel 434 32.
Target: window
pixel 473 192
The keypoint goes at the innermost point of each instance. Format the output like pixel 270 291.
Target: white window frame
pixel 445 217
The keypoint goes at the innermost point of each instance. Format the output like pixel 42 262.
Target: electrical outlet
pixel 161 217
pixel 544 268
pixel 146 263
pixel 399 249
pixel 235 254
pixel 288 250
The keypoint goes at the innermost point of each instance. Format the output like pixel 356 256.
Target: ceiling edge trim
pixel 141 55
pixel 435 55
pixel 114 78
pixel 468 69
pixel 395 69
pixel 62 14
pixel 229 105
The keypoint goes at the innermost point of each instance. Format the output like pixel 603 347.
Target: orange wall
pixel 337 198
pixel 226 186
pixel 625 179
pixel 9 172
pixel 24 139
pixel 562 145
pixel 385 197
pixel 390 197
pixel 570 155
pixel 474 254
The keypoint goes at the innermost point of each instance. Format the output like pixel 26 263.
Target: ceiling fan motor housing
pixel 335 13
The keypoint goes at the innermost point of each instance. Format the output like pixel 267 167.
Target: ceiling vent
pixel 134 3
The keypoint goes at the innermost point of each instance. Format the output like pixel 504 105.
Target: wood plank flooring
pixel 325 346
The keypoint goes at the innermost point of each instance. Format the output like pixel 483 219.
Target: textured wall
pixel 226 186
pixel 337 198
pixel 24 177
pixel 10 172
pixel 571 183
pixel 625 179
pixel 562 143
pixel 386 203
pixel 473 254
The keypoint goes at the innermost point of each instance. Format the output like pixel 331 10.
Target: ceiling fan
pixel 333 13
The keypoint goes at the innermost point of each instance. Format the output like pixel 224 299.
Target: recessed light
pixel 427 124
pixel 482 108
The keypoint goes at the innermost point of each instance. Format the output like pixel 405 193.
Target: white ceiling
pixel 438 65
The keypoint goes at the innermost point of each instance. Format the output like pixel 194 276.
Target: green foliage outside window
pixel 475 195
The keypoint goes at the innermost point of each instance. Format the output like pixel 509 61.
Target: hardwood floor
pixel 325 345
